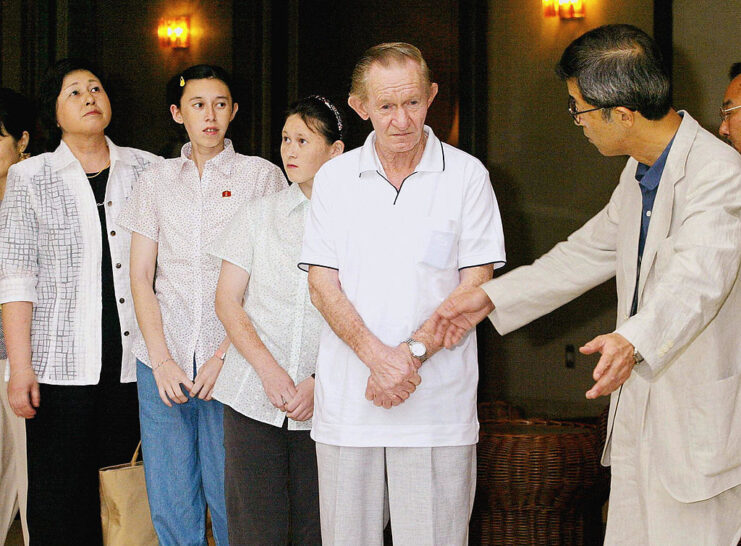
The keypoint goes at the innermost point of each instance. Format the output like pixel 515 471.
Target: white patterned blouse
pixel 264 238
pixel 185 214
pixel 50 255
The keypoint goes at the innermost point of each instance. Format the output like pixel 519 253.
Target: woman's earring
pixel 23 155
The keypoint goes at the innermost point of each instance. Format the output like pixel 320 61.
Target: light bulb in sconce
pixel 174 32
pixel 571 9
pixel 550 8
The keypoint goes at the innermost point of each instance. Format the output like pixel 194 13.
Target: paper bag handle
pixel 136 453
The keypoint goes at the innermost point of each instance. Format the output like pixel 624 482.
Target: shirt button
pixel 648 213
pixel 118 266
pixel 113 233
pixel 110 203
pixel 126 333
pixel 121 300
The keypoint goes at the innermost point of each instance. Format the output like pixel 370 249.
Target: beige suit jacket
pixel 688 324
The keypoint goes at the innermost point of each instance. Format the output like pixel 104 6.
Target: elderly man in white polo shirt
pixel 396 226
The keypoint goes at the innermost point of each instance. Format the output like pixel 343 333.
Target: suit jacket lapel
pixel 661 215
pixel 631 232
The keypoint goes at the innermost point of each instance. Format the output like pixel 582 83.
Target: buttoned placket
pixel 115 249
pixel 196 259
pixel 301 286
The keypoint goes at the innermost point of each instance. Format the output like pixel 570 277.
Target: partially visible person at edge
pixel 176 213
pixel 17 127
pixel 730 110
pixel 67 310
pixel 267 383
pixel 671 235
pixel 395 227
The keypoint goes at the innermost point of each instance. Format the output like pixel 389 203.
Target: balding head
pixel 385 54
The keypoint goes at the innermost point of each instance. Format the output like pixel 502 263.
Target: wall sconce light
pixel 571 9
pixel 550 8
pixel 174 33
pixel 565 9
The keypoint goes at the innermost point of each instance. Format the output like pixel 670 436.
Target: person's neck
pixel 399 165
pixel 654 137
pixel 306 188
pixel 3 181
pixel 201 154
pixel 90 150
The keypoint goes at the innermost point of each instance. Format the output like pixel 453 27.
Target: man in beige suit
pixel 730 110
pixel 671 235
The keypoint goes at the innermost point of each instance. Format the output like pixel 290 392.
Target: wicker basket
pixel 498 409
pixel 539 482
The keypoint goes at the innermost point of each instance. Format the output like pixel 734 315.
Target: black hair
pixel 17 114
pixel 734 71
pixel 198 72
pixel 51 86
pixel 618 65
pixel 321 116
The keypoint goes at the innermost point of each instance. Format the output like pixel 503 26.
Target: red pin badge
pixel 226 193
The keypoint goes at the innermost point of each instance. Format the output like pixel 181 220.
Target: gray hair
pixel 618 65
pixel 384 54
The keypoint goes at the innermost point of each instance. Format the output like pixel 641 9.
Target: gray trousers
pixel 427 492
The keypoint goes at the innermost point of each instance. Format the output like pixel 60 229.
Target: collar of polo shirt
pixel 433 158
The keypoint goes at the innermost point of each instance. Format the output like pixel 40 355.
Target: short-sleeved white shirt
pixel 398 256
pixel 184 214
pixel 264 238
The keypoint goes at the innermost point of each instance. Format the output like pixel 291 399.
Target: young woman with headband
pixel 267 383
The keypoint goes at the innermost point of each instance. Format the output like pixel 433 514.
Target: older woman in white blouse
pixel 67 309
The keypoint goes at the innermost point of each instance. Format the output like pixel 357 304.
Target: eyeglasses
pixel 574 112
pixel 726 112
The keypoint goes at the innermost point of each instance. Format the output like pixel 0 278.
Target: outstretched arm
pixel 458 314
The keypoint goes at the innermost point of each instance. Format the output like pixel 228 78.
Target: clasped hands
pixel 171 379
pixel 393 376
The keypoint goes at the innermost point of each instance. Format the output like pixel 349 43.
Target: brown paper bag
pixel 124 508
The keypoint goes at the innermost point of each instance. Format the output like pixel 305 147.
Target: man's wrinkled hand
pixel 614 366
pixel 459 313
pixel 394 377
pixel 393 366
pixel 379 397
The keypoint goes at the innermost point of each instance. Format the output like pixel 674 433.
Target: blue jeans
pixel 183 452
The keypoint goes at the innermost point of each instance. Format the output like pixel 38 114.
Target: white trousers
pixel 13 474
pixel 641 511
pixel 427 492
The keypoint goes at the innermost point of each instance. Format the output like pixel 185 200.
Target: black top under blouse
pixel 111 349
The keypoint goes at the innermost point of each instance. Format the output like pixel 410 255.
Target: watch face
pixel 417 348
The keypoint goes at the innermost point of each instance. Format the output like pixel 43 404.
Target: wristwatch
pixel 637 357
pixel 417 348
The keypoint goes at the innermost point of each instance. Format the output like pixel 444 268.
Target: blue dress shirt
pixel 648 180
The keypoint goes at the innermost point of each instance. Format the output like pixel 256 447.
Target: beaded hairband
pixel 331 107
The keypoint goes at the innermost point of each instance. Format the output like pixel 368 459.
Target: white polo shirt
pixel 398 255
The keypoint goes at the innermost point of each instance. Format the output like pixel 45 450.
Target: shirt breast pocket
pixel 440 247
